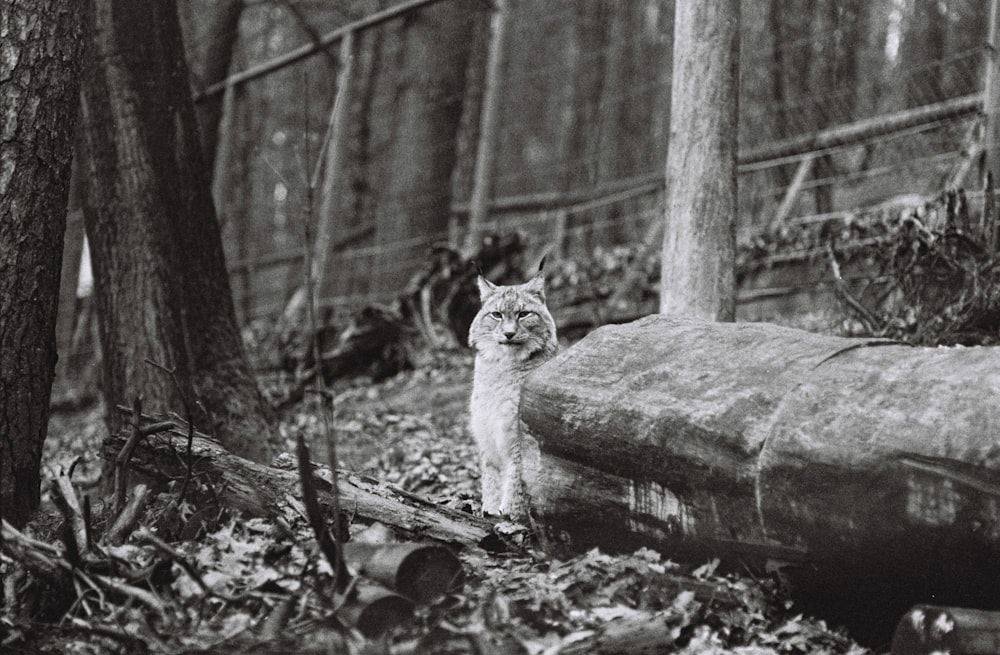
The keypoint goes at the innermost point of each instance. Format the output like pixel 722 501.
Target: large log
pixel 863 464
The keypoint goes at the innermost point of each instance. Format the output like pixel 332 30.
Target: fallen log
pixel 374 610
pixel 867 466
pixel 417 571
pixel 253 489
pixel 927 629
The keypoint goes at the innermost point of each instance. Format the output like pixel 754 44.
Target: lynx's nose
pixel 509 334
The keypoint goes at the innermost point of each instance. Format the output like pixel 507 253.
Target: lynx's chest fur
pixel 513 334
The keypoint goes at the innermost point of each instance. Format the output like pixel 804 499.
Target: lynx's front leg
pixel 491 486
pixel 512 501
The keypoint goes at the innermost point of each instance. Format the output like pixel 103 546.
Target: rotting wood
pixel 255 489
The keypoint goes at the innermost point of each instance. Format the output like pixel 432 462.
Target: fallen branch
pixel 254 489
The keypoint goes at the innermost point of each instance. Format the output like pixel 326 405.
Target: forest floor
pixel 410 431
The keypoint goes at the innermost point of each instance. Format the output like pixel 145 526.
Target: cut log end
pixel 927 629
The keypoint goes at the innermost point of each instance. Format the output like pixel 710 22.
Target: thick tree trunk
pixel 159 270
pixel 39 81
pixel 873 470
pixel 699 241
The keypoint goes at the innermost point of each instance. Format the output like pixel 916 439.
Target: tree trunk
pixel 874 471
pixel 69 279
pixel 422 81
pixel 159 270
pixel 699 245
pixel 211 67
pixel 39 81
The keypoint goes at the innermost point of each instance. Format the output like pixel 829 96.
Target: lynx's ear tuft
pixel 541 264
pixel 486 288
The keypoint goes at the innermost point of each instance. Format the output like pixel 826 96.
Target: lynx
pixel 513 334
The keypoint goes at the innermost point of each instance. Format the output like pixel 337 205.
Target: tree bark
pixel 872 470
pixel 159 271
pixel 39 82
pixel 699 241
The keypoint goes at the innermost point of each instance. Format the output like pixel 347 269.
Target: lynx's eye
pixel 524 314
pixel 496 315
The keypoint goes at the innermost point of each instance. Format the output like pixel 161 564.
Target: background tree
pixel 39 82
pixel 159 271
pixel 210 31
pixel 699 242
pixel 411 77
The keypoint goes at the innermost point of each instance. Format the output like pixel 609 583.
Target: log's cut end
pixel 927 629
pixel 757 442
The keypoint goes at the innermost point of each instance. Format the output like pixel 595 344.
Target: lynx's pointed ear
pixel 536 285
pixel 486 288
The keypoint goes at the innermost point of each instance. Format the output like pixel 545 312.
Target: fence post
pixel 486 148
pixel 991 94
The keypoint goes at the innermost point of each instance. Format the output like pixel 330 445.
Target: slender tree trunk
pixel 39 83
pixel 698 261
pixel 159 271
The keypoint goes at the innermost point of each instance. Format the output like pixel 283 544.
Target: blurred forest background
pixel 845 105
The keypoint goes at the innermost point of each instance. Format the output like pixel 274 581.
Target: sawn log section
pixel 761 444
